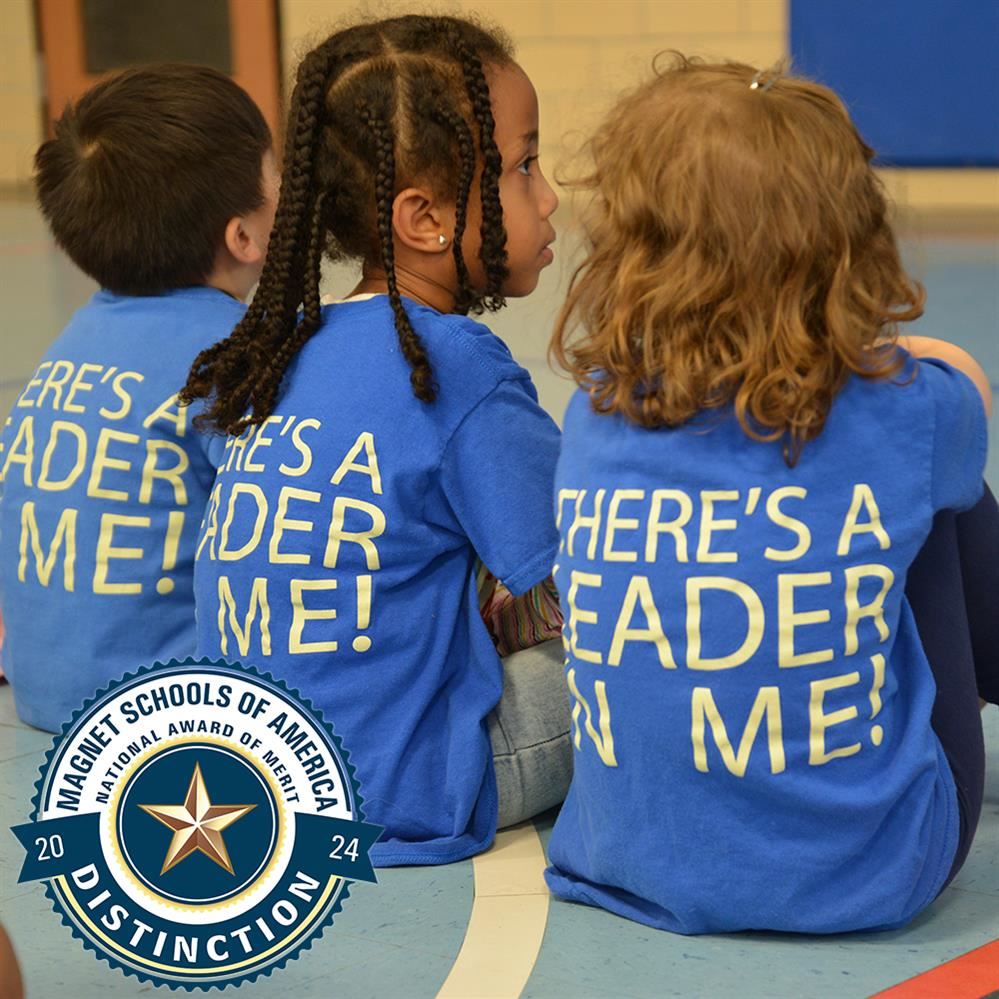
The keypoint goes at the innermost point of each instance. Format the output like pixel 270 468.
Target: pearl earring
pixel 442 239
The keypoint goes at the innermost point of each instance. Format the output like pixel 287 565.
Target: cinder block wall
pixel 580 53
pixel 20 92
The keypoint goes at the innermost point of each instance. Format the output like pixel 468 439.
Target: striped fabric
pixel 517 623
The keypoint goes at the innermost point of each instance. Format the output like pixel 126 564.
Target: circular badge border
pixel 290 951
pixel 221 666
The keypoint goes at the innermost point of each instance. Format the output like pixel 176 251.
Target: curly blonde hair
pixel 739 253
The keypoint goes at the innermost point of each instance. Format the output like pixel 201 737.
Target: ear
pixel 241 243
pixel 419 220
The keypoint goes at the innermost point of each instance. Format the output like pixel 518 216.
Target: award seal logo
pixel 198 824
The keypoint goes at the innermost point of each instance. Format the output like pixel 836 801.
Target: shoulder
pixel 921 383
pixel 461 348
pixel 955 399
pixel 468 360
pixel 176 321
pixel 470 363
pixel 953 412
pixel 934 349
pixel 940 376
pixel 939 387
pixel 454 343
pixel 187 314
pixel 209 313
pixel 579 411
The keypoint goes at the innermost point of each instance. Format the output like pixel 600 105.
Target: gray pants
pixel 529 730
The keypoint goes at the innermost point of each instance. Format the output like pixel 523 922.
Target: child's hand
pixel 925 346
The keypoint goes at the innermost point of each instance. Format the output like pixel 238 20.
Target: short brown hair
pixel 739 253
pixel 146 170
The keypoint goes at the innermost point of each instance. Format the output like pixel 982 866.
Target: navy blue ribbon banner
pixel 329 847
pixel 197 825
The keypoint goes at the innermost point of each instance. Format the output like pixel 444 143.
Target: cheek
pixel 522 239
pixel 518 204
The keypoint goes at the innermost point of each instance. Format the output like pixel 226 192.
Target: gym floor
pixel 487 927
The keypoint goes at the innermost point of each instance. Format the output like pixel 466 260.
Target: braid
pixel 247 367
pixel 493 251
pixel 413 350
pixel 311 301
pixel 466 296
pixel 311 316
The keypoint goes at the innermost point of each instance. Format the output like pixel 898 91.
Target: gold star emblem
pixel 197 824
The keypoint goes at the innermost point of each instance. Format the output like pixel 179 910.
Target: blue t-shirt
pixel 104 482
pixel 751 701
pixel 338 552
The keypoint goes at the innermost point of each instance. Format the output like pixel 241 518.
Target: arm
pixel 924 346
pixel 498 481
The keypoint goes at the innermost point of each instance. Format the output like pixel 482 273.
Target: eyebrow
pixel 528 137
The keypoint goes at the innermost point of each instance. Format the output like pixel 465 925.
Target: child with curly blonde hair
pixel 762 492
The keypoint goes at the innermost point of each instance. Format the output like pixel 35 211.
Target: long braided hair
pixel 373 106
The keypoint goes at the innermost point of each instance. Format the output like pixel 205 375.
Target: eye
pixel 525 166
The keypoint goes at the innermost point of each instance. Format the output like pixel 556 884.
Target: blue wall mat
pixel 920 77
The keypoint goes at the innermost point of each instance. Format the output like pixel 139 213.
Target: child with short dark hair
pixel 392 439
pixel 160 184
pixel 761 498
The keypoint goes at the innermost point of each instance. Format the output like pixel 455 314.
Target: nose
pixel 549 200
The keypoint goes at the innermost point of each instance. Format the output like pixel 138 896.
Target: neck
pixel 232 278
pixel 419 287
pixel 228 289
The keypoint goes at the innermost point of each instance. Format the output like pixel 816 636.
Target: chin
pixel 521 287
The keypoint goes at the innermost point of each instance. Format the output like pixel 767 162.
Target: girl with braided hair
pixel 382 443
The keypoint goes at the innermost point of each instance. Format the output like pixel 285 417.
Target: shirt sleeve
pixel 498 475
pixel 213 445
pixel 960 436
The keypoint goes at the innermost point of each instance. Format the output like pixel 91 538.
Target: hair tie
pixel 756 85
